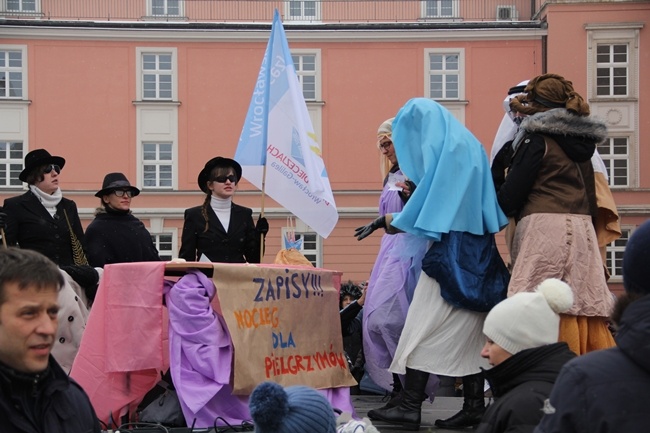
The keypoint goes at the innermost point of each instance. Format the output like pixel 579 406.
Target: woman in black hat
pixel 44 221
pixel 115 235
pixel 220 230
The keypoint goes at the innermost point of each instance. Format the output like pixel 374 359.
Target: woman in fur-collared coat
pixel 550 192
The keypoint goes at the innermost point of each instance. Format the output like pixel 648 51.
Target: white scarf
pixel 221 207
pixel 49 201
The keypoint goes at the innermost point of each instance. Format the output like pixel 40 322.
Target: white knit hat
pixel 528 320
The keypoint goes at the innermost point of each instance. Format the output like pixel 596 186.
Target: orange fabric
pixel 585 334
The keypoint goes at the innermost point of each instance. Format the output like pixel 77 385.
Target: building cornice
pixel 298 33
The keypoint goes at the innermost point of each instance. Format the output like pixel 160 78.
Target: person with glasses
pixel 43 220
pixel 394 274
pixel 220 230
pixel 116 235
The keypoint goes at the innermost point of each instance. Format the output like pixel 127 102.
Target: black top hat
pixel 114 181
pixel 219 161
pixel 37 158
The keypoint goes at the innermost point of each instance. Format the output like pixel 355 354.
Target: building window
pixel 444 75
pixel 616 155
pixel 612 64
pixel 307 67
pixel 157 167
pixel 11 74
pixel 11 163
pixel 302 10
pixel 166 8
pixel 615 250
pixel 157 76
pixel 22 5
pixel 439 9
pixel 164 243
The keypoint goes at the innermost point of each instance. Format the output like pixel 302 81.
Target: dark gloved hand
pixel 364 231
pixel 3 219
pixel 407 192
pixel 86 276
pixel 262 226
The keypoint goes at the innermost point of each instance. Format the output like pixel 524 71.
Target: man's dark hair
pixel 28 269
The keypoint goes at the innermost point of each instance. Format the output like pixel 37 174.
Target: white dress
pixel 439 338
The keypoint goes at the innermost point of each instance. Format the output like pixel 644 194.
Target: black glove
pixel 86 276
pixel 364 231
pixel 411 187
pixel 3 219
pixel 262 226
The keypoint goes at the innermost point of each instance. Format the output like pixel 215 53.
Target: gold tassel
pixel 78 255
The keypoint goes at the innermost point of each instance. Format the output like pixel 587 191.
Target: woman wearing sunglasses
pixel 220 230
pixel 43 220
pixel 115 235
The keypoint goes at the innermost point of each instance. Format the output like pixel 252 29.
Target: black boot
pixel 409 411
pixel 395 396
pixel 473 405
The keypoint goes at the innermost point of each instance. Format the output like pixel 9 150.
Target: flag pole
pixel 261 213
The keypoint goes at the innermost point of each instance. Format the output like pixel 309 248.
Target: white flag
pixel 278 133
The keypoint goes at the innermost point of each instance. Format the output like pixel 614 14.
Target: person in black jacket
pixel 220 230
pixel 35 393
pixel 607 390
pixel 522 346
pixel 43 220
pixel 115 235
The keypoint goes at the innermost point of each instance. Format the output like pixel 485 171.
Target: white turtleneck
pixel 221 207
pixel 49 201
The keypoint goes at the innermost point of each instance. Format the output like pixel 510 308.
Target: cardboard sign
pixel 285 326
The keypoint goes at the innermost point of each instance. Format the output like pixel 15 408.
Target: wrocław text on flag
pixel 278 133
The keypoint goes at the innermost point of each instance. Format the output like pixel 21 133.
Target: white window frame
pixel 461 72
pixel 23 71
pixel 10 179
pixel 140 52
pixel 21 9
pixel 180 14
pixel 615 252
pixel 613 34
pixel 317 73
pixel 612 66
pixel 438 15
pixel 158 163
pixel 173 234
pixel 613 161
pixel 317 16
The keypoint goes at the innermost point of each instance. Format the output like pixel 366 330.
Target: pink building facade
pixel 155 88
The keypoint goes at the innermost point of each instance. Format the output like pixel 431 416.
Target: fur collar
pixel 562 122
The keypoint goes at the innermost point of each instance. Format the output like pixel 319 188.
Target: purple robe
pixel 390 291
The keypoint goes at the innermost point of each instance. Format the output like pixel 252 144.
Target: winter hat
pixel 296 409
pixel 529 319
pixel 636 273
pixel 115 181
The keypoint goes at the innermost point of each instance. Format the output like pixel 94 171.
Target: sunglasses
pixel 122 193
pixel 222 179
pixel 51 167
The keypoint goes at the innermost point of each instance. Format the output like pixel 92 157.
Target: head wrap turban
pixel 549 91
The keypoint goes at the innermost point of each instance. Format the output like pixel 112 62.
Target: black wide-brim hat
pixel 37 158
pixel 219 161
pixel 114 181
